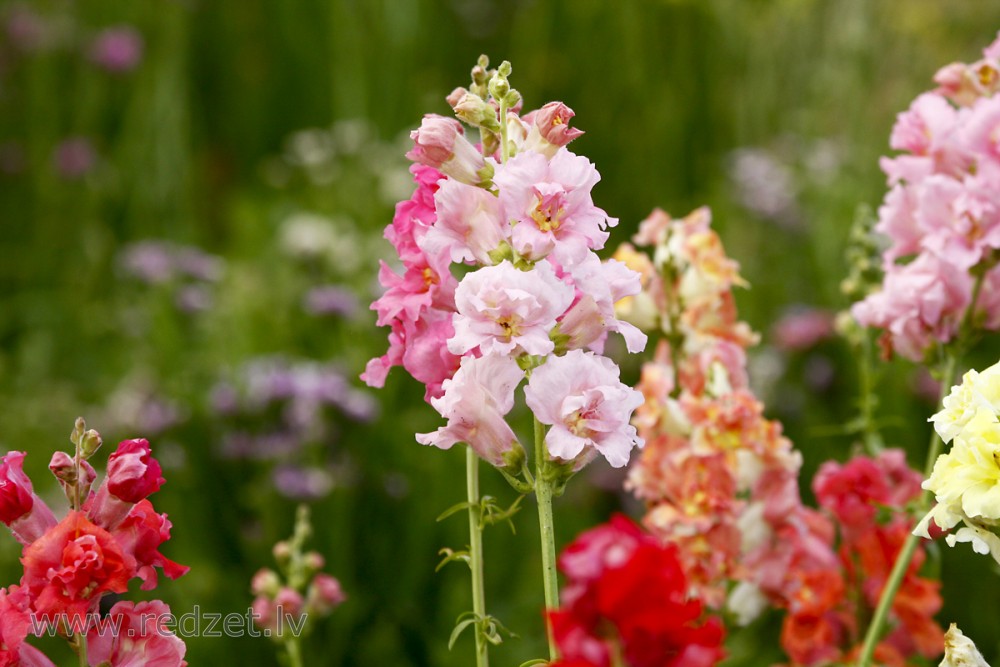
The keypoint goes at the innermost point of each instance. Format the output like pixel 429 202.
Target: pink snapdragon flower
pixel 580 396
pixel 550 129
pixel 509 311
pixel 117 49
pixel 133 474
pixel 468 227
pixel 474 403
pixel 142 638
pixel 549 203
pixel 920 302
pixel 440 143
pixel 599 286
pixel 27 515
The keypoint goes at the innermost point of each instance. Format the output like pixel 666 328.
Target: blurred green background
pixel 269 136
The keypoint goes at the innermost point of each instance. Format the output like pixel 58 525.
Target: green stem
pixel 543 492
pixel 910 546
pixel 81 648
pixel 504 148
pixel 476 553
pixel 293 651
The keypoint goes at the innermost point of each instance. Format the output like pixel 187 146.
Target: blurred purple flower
pixel 765 185
pixel 74 158
pixel 193 299
pixel 302 483
pixel 331 300
pixel 198 265
pixel 149 261
pixel 118 49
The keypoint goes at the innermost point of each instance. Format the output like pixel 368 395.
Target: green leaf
pixel 454 509
pixel 459 628
pixel 533 663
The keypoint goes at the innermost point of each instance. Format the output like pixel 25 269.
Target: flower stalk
pixel 546 527
pixel 476 552
pixel 902 563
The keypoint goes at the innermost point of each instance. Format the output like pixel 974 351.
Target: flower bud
pixel 313 561
pixel 477 112
pixel 90 442
pixel 282 552
pixel 439 143
pixel 325 594
pixel 550 128
pixel 64 468
pixel 959 651
pixel 266 582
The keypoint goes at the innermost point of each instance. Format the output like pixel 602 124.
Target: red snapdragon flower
pixel 627 593
pixel 140 535
pixel 68 569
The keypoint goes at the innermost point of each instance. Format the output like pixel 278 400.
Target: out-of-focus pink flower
pixel 74 158
pixel 440 144
pixel 509 311
pixel 475 401
pixel 580 396
pixel 549 202
pixel 325 594
pixel 142 637
pixel 117 49
pixel 803 329
pixel 920 303
pixel 277 613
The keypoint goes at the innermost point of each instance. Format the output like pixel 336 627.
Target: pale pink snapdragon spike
pixel 599 286
pixel 475 402
pixel 581 397
pixel 550 129
pixel 142 637
pixel 469 227
pixel 440 143
pixel 133 474
pixel 21 510
pixel 920 303
pixel 509 311
pixel 549 204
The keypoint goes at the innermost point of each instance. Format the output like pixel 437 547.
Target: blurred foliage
pixel 772 112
